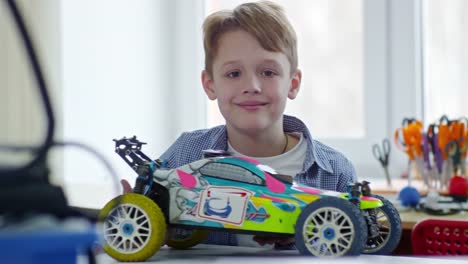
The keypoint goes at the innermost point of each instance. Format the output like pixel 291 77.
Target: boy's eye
pixel 233 74
pixel 269 73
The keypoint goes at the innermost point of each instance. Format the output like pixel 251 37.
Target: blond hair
pixel 264 20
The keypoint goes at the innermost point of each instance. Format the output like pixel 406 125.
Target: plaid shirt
pixel 324 167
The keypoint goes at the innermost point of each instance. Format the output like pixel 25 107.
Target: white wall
pixel 130 68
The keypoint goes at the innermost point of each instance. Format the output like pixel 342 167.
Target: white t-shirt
pixel 289 163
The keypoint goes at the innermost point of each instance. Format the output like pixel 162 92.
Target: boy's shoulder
pixel 327 150
pixel 197 140
pixel 335 158
pixel 189 145
pixel 208 135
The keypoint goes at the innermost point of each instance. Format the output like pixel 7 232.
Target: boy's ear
pixel 295 84
pixel 208 85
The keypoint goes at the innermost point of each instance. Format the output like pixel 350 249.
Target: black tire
pixel 183 239
pixel 390 230
pixel 331 226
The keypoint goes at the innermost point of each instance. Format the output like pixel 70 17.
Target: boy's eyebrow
pixel 266 61
pixel 230 62
pixel 269 61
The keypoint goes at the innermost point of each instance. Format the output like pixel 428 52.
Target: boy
pixel 251 70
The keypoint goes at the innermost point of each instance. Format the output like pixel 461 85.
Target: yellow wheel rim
pixel 134 227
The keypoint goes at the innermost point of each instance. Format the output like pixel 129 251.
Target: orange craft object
pixel 444 138
pixel 411 142
pixel 461 130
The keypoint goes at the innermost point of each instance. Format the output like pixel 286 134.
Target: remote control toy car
pixel 179 206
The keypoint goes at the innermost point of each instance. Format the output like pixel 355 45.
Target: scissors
pixel 459 131
pixel 433 139
pixel 432 178
pixel 455 150
pixel 451 142
pixel 433 136
pixel 464 146
pixel 409 139
pixel 382 155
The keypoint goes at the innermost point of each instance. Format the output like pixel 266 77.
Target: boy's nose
pixel 252 85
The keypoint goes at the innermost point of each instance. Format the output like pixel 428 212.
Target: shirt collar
pixel 314 153
pixel 290 124
pixel 219 140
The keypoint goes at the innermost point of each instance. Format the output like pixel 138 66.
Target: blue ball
pixel 409 196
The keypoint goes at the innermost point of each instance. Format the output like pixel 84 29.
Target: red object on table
pixel 440 237
pixel 458 186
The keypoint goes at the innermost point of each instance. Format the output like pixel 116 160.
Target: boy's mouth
pixel 251 105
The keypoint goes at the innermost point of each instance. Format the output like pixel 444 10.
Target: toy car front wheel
pixel 389 225
pixel 331 226
pixel 184 238
pixel 134 227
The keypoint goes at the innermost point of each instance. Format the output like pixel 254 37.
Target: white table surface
pixel 244 255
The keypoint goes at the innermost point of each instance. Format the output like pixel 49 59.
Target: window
pixel 445 58
pixel 129 68
pixel 116 74
pixel 230 172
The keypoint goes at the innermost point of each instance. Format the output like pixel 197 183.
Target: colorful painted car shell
pixel 238 193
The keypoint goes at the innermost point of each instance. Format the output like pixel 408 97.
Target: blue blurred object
pixel 409 196
pixel 59 246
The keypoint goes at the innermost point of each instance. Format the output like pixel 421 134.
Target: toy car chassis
pixel 237 194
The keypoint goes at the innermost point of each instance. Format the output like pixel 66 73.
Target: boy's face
pixel 250 83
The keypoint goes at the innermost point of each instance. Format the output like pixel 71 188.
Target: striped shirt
pixel 323 168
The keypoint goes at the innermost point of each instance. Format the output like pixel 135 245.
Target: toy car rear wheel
pixel 184 238
pixel 331 226
pixel 134 227
pixel 389 223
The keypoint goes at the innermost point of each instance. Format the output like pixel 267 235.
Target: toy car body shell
pixel 238 193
